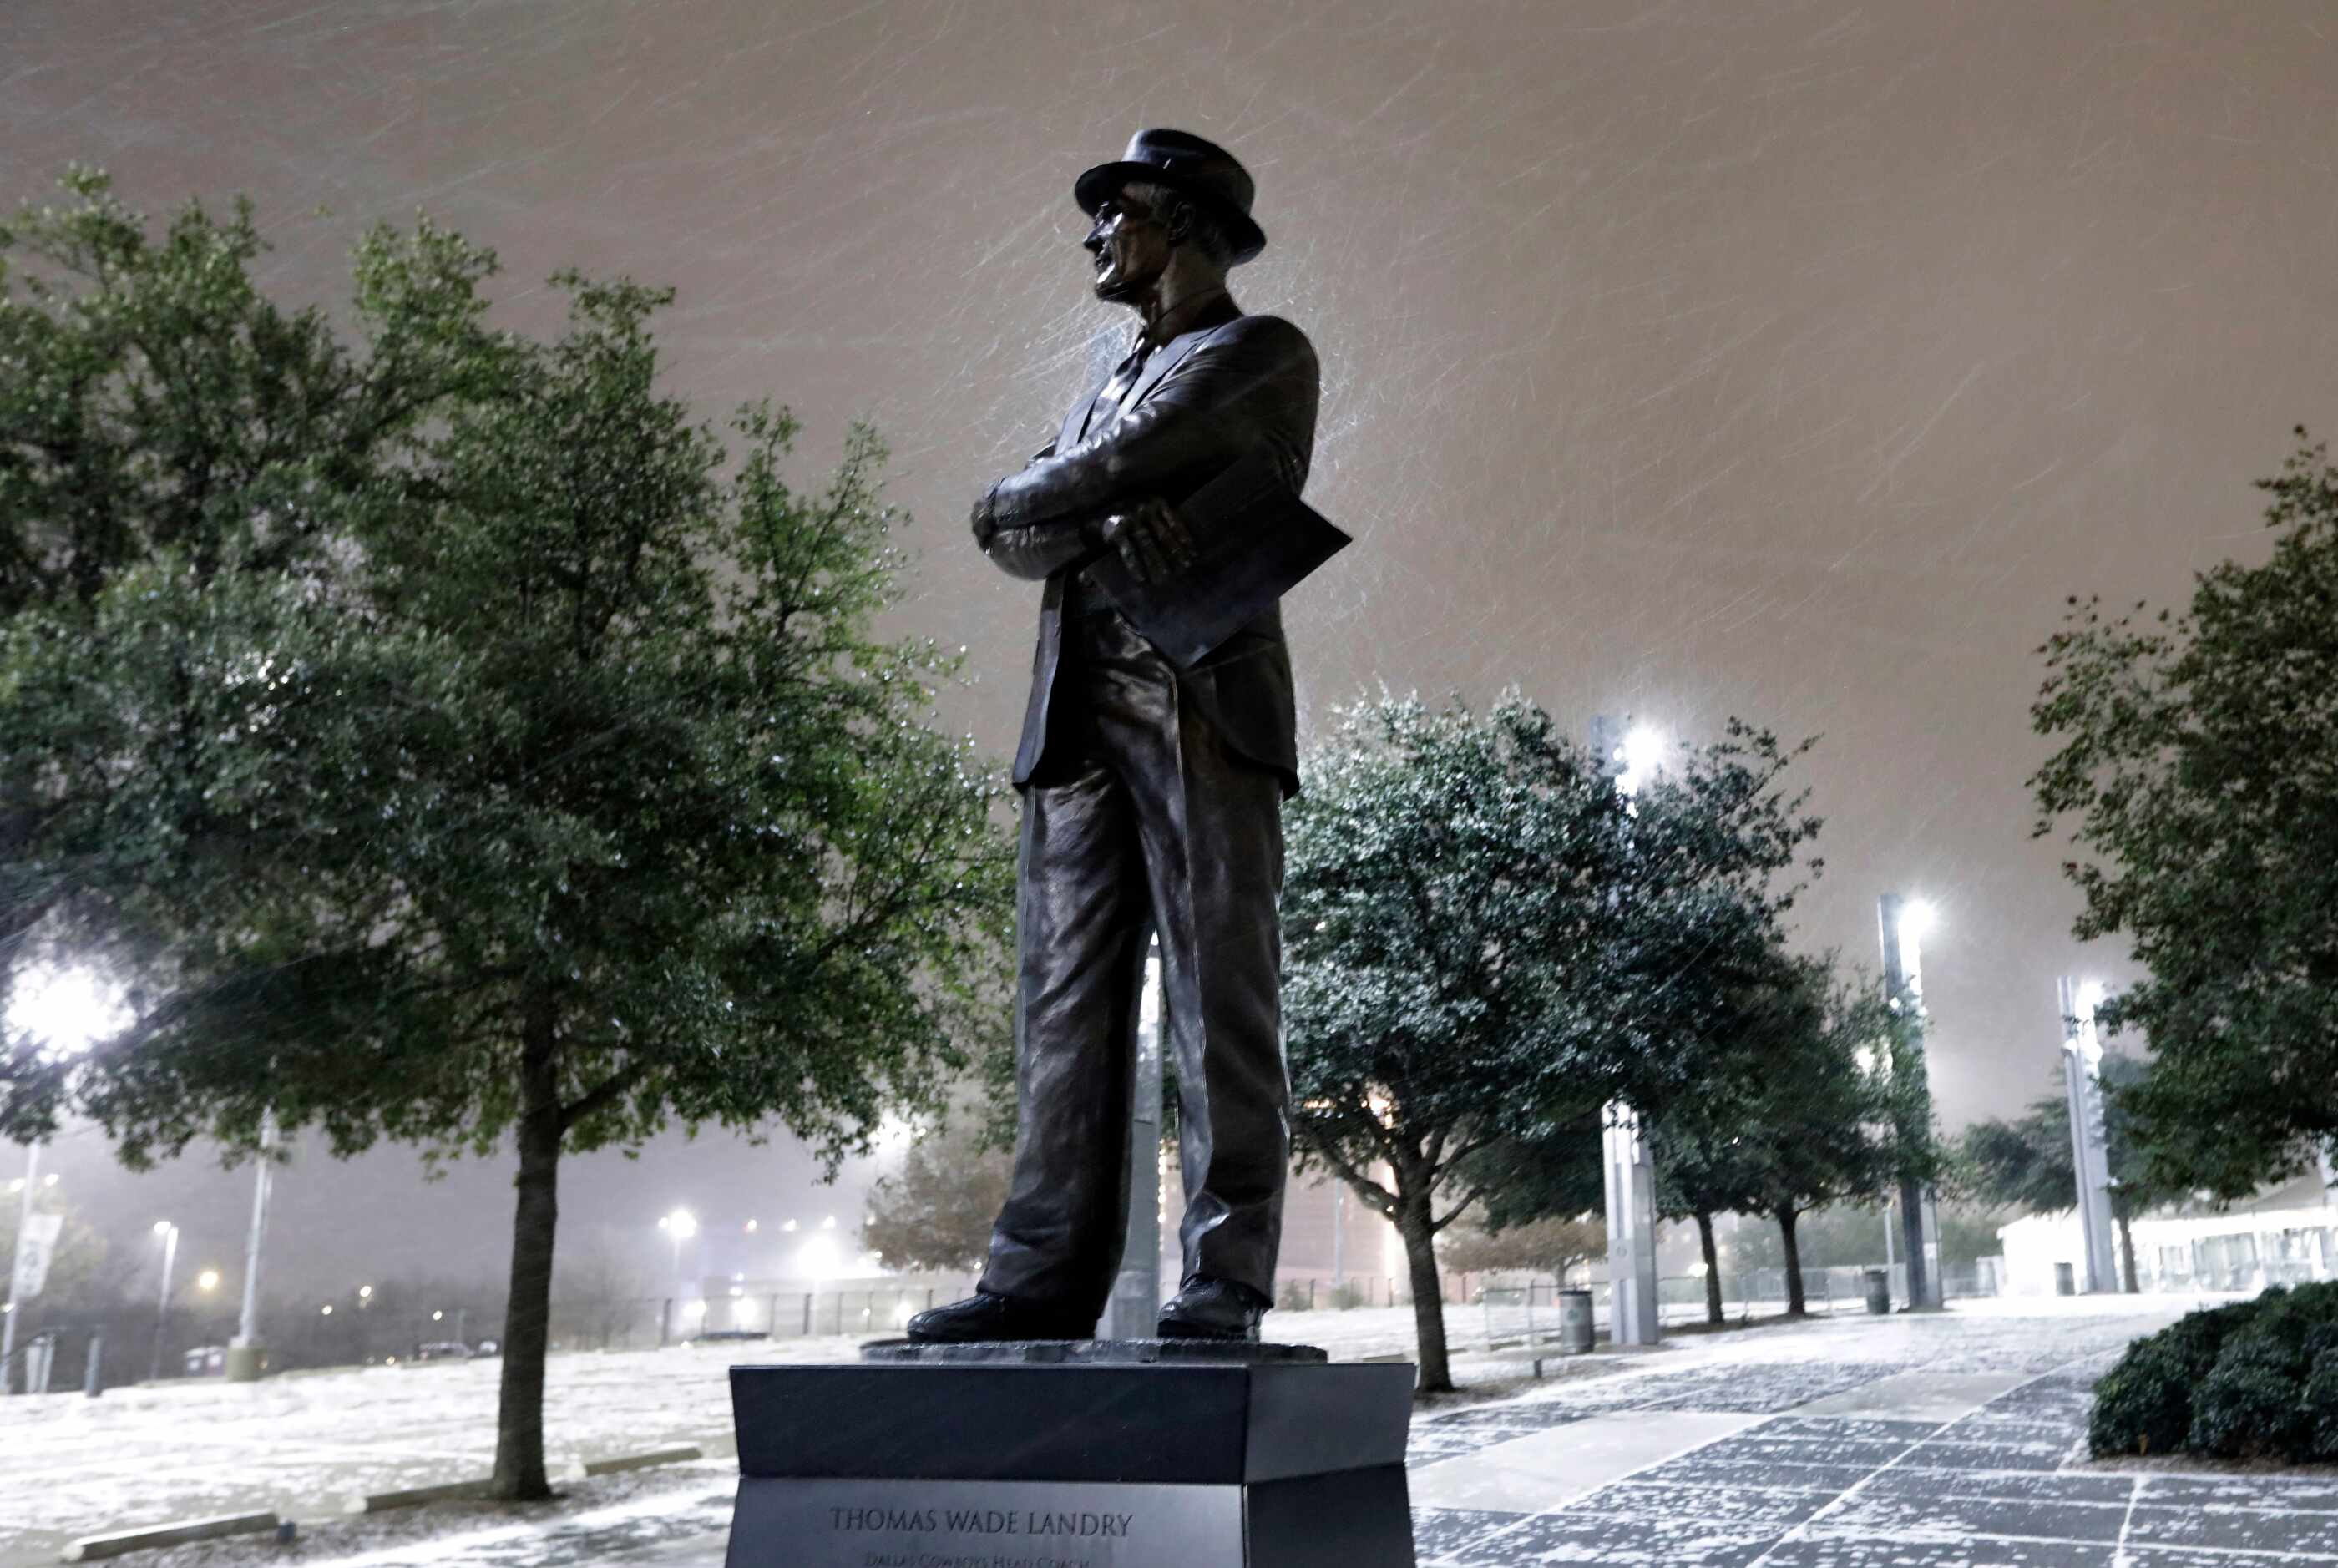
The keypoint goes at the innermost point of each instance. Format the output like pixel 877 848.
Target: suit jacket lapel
pixel 1166 360
pixel 1075 423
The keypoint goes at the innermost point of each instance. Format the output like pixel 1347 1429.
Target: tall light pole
pixel 66 1010
pixel 1903 924
pixel 245 1354
pixel 23 1243
pixel 169 1235
pixel 1628 757
pixel 1133 1312
pixel 679 1227
pixel 2082 1060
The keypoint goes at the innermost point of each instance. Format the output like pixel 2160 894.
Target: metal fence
pixel 1527 1314
pixel 642 1323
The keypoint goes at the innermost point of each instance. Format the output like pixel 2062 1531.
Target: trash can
pixel 1879 1291
pixel 1575 1321
pixel 2066 1279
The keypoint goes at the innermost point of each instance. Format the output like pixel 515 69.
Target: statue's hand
pixel 1153 541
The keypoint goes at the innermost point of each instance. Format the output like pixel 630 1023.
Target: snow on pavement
pixel 300 1443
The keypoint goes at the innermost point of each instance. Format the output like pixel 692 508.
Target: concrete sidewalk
pixel 1948 1441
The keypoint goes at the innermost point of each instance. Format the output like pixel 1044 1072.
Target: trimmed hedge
pixel 2256 1380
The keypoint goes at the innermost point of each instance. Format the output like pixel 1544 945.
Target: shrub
pixel 2251 1405
pixel 2255 1380
pixel 2321 1405
pixel 2144 1405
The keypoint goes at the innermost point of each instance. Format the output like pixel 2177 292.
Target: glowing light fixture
pixel 66 1010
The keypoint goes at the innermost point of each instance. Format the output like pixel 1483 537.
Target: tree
pixel 1549 1247
pixel 1704 1167
pixel 166 430
pixel 2194 777
pixel 1835 1104
pixel 1711 1149
pixel 568 790
pixel 1483 938
pixel 2030 1163
pixel 936 1212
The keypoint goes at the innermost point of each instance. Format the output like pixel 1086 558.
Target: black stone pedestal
pixel 1142 1453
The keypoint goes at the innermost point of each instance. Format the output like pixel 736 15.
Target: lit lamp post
pixel 169 1235
pixel 2082 1060
pixel 1631 1174
pixel 1901 925
pixel 681 1225
pixel 64 1010
pixel 1134 1309
pixel 247 1358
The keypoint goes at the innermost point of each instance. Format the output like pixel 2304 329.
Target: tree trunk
pixel 1712 1270
pixel 1412 1223
pixel 2126 1251
pixel 1795 1306
pixel 527 1317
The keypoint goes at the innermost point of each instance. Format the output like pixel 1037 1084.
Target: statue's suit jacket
pixel 1203 399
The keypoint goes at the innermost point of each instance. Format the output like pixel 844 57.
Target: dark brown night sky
pixel 1790 358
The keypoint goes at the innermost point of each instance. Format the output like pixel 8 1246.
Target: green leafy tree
pixel 936 1212
pixel 1704 1167
pixel 173 448
pixel 1483 938
pixel 1711 1148
pixel 2193 775
pixel 556 789
pixel 1838 1116
pixel 2029 1164
pixel 1538 1246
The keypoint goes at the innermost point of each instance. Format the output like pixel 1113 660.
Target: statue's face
pixel 1131 247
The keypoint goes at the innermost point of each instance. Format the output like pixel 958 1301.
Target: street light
pixel 169 1235
pixel 679 1226
pixel 1628 760
pixel 1903 924
pixel 365 1292
pixel 208 1281
pixel 64 1010
pixel 1641 753
pixel 1917 921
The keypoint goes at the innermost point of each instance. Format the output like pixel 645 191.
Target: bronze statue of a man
pixel 1152 794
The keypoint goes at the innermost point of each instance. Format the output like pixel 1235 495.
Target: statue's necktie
pixel 1124 376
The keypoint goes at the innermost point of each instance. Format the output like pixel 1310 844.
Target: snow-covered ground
pixel 71 1467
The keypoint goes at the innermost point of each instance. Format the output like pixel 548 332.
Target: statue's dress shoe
pixel 1212 1310
pixel 983 1317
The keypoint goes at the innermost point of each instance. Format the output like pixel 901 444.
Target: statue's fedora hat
pixel 1183 160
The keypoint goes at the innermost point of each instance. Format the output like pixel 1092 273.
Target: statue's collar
pixel 1201 309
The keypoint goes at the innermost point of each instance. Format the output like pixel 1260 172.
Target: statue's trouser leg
pixel 1082 928
pixel 1158 825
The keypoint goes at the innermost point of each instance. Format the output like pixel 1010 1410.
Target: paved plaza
pixel 1924 1445
pixel 1927 1442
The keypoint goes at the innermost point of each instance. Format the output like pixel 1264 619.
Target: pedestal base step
pixel 1083 1453
pixel 1352 1519
pixel 1098 1353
